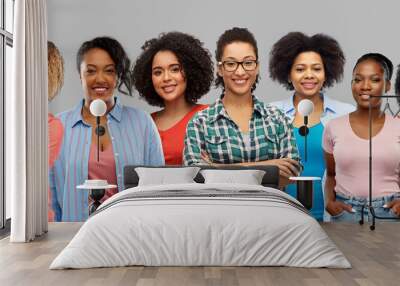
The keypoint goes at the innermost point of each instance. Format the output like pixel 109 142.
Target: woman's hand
pixel 395 206
pixel 287 167
pixel 206 158
pixel 335 208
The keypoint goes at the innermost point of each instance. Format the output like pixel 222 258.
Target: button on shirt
pixel 135 141
pixel 212 131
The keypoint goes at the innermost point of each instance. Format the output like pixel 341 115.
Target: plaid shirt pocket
pixel 218 148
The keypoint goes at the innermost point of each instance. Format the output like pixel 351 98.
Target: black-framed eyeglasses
pixel 231 66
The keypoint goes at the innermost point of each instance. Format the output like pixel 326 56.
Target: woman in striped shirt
pixel 129 136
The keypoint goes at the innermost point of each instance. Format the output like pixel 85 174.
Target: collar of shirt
pixel 219 109
pixel 115 113
pixel 329 106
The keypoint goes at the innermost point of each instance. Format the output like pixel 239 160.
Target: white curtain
pixel 26 123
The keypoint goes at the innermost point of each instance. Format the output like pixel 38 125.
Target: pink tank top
pixel 104 169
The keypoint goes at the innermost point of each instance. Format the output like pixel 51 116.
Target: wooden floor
pixel 374 255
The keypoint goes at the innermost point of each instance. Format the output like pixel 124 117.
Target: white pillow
pixel 248 177
pixel 166 176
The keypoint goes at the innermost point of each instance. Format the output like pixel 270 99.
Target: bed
pixel 201 224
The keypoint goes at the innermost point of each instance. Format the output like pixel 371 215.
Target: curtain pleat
pixel 28 107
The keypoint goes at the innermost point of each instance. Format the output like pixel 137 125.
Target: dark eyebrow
pixel 95 66
pixel 171 65
pixel 313 64
pixel 245 58
pixel 374 74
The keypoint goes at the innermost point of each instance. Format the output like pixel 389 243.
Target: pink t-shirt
pixel 351 155
pixel 104 169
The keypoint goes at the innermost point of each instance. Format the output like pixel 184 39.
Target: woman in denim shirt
pixel 346 146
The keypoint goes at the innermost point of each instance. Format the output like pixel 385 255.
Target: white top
pixel 246 139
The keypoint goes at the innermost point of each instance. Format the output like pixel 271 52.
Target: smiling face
pixel 98 76
pixel 307 74
pixel 369 79
pixel 167 75
pixel 240 81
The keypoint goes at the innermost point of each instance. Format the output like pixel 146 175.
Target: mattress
pixel 201 225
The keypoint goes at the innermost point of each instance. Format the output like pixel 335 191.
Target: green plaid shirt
pixel 213 132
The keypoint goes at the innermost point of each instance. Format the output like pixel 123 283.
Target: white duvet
pixel 184 230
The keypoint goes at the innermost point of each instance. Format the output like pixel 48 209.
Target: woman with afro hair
pixel 173 72
pixel 307 65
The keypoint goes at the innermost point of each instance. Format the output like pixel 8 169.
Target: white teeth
pixel 100 89
pixel 240 81
pixel 169 88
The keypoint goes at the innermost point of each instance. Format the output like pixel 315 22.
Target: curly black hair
pixel 117 54
pixel 230 36
pixel 285 51
pixel 192 56
pixel 397 83
pixel 382 60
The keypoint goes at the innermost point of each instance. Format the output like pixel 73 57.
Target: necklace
pixel 100 130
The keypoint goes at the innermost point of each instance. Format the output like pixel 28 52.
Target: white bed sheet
pixel 190 231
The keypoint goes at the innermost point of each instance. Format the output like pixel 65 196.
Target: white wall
pixel 360 26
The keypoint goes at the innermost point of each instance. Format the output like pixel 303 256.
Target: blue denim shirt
pixel 134 140
pixel 332 108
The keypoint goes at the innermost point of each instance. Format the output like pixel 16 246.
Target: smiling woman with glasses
pixel 238 128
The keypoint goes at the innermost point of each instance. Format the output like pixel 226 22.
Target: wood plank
pixel 374 255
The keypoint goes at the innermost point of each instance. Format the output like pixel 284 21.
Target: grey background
pixel 360 26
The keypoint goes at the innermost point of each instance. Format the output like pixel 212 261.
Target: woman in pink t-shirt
pixel 346 147
pixel 173 72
